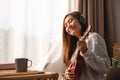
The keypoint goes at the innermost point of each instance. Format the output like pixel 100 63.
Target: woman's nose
pixel 69 25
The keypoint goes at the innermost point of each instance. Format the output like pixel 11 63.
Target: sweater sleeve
pixel 96 56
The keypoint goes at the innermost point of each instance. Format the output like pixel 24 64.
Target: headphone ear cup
pixel 82 20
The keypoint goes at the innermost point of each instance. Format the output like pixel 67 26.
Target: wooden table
pixel 29 75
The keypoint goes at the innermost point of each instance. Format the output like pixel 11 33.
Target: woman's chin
pixel 73 33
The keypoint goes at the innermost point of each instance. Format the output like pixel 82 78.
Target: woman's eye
pixel 70 20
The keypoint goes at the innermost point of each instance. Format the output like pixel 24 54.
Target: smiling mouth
pixel 72 29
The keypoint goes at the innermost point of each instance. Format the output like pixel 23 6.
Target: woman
pixel 93 61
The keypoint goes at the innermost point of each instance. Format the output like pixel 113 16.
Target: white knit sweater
pixel 96 58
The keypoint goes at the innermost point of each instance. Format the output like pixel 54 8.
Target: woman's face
pixel 72 26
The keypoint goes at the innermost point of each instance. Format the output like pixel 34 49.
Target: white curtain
pixel 32 29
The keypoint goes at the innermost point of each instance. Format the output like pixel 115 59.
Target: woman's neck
pixel 78 36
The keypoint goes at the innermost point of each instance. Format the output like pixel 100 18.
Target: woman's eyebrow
pixel 68 21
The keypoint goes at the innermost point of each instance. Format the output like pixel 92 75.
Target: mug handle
pixel 30 63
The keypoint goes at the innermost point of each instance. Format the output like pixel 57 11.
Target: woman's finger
pixel 70 76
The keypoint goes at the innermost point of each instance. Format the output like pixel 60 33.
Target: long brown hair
pixel 69 42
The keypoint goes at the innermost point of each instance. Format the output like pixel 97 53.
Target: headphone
pixel 82 20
